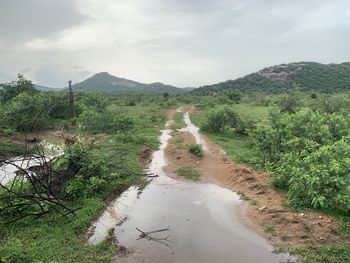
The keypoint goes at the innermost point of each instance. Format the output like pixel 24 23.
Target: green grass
pixel 188 173
pixel 179 142
pixel 331 254
pixel 269 229
pixel 196 149
pixel 178 121
pixel 54 239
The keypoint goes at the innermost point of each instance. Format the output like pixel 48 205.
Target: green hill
pixel 281 78
pixel 108 83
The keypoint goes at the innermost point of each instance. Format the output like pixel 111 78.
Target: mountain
pixel 281 78
pixel 105 82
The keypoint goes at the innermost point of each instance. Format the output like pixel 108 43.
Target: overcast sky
pixel 178 42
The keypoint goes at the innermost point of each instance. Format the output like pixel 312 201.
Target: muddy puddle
pixel 9 170
pixel 201 218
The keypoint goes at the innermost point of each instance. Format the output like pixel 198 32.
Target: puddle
pixel 201 217
pixel 8 171
pixel 194 130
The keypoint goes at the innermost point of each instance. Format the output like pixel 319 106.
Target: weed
pixel 188 173
pixel 269 229
pixel 196 149
pixel 253 202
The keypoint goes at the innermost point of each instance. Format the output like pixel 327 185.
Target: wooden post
pixel 71 100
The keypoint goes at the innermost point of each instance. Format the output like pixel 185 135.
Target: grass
pixel 178 121
pixel 179 142
pixel 236 146
pixel 332 254
pixel 188 173
pixel 196 149
pixel 54 239
pixel 269 229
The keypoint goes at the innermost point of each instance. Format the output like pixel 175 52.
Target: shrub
pixel 196 149
pixel 217 120
pixel 220 119
pixel 307 155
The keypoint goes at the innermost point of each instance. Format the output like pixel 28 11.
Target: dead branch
pixel 151 175
pixel 162 240
pixel 30 193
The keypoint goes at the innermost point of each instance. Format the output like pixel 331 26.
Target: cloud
pixel 180 42
pixel 21 20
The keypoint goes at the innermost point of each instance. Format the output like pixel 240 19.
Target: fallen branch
pixel 161 240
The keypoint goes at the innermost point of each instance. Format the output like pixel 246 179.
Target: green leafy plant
pixel 196 149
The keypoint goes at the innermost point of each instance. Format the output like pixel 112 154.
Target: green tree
pixel 12 89
pixel 234 94
pixel 28 112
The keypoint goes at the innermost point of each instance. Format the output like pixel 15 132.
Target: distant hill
pixel 280 78
pixel 108 83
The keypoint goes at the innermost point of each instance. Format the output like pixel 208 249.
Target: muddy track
pixel 264 208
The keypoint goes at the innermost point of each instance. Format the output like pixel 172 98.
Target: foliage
pixel 306 153
pixel 107 121
pixel 9 148
pixel 216 121
pixel 290 102
pixel 234 95
pixel 11 89
pixel 196 149
pixel 28 112
pixel 219 119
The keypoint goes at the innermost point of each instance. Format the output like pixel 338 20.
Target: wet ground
pixel 202 219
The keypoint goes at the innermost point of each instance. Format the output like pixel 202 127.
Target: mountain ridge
pixel 280 78
pixel 103 81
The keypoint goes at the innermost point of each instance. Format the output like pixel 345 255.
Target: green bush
pixel 217 120
pixel 307 154
pixel 196 149
pixel 86 172
pixel 222 118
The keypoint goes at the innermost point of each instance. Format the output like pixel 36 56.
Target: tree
pixel 290 102
pixel 14 88
pixel 28 112
pixel 166 95
pixel 234 95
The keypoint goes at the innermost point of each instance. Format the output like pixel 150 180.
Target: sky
pixel 186 43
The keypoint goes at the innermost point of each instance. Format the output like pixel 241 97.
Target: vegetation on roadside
pixel 196 149
pixel 188 173
pixel 100 158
